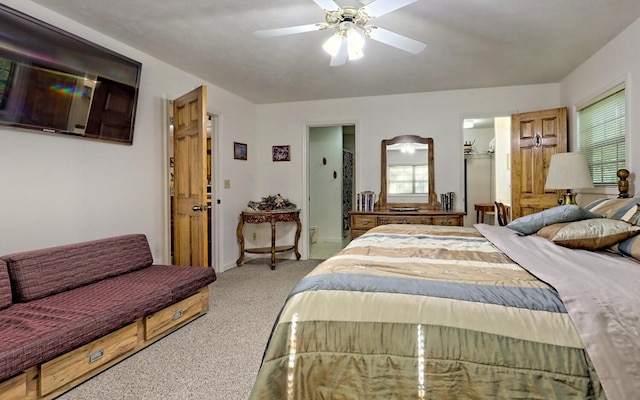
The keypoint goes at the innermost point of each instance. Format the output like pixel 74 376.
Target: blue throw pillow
pixel 532 223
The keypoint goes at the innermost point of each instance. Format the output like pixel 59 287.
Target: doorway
pixel 487 164
pixel 331 179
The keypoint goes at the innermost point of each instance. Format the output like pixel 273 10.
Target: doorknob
pixel 197 208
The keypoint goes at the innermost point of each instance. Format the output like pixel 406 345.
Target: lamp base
pixel 568 198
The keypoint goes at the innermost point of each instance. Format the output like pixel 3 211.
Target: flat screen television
pixel 55 82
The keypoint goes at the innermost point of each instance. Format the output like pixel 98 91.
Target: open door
pixel 190 222
pixel 535 137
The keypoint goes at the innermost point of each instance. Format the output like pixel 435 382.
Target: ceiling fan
pixel 352 25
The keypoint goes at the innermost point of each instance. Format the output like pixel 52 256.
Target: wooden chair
pixel 502 214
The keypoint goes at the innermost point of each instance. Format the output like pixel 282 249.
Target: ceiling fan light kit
pixel 348 36
pixel 351 26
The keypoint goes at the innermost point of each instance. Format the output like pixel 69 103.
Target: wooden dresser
pixel 362 221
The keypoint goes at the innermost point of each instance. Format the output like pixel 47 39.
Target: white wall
pixel 616 62
pixel 58 190
pixel 435 114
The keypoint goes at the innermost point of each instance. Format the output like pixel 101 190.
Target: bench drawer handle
pixel 177 315
pixel 96 355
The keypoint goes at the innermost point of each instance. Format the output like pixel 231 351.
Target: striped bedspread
pixel 424 312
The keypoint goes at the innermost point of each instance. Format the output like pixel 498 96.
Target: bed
pixel 434 312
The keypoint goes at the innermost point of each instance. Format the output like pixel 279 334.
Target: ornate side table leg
pixel 298 230
pixel 240 236
pixel 273 243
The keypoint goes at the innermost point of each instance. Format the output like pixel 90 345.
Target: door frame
pixel 305 176
pixel 216 178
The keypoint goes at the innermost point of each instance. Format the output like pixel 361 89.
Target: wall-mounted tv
pixel 54 82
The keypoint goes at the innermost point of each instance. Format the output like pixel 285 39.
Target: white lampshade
pixel 354 41
pixel 568 171
pixel 332 45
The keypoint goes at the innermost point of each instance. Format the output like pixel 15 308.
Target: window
pixel 602 132
pixel 408 179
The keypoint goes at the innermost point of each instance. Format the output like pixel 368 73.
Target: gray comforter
pixel 601 293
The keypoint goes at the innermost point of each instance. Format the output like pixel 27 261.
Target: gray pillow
pixel 532 223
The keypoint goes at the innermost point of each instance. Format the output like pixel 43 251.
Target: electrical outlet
pixel 254 236
pixel 227 183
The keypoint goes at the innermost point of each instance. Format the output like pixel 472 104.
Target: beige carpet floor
pixel 215 357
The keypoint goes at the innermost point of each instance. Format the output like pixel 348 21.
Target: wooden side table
pixel 258 217
pixel 482 209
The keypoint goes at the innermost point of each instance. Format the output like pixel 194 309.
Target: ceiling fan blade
pixel 396 40
pixel 341 56
pixel 289 30
pixel 327 4
pixel 382 7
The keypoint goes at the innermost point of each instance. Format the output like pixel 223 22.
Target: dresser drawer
pixel 404 219
pixel 447 221
pixel 174 315
pixel 363 221
pixel 66 368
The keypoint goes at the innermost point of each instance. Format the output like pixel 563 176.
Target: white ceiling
pixel 470 43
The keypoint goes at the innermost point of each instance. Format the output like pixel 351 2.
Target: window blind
pixel 602 131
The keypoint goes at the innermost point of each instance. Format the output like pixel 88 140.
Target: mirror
pixel 407 176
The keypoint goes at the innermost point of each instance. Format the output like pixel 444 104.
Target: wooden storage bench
pixel 87 306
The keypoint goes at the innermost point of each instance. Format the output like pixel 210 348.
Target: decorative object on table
pixel 365 201
pixel 623 183
pixel 446 199
pixel 281 153
pixel 468 146
pixel 492 146
pixel 568 171
pixel 270 203
pixel 239 151
pixel 404 209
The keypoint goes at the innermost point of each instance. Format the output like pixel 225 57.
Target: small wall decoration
pixel 281 153
pixel 239 151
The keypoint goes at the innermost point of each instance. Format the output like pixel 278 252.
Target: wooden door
pixel 190 225
pixel 535 137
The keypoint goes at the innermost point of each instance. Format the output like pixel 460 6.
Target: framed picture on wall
pixel 239 151
pixel 281 153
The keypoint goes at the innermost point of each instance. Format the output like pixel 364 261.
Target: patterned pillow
pixel 532 223
pixel 589 234
pixel 624 209
pixel 628 247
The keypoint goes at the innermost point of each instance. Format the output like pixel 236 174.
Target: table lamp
pixel 568 171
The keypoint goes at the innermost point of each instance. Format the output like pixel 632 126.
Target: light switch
pixel 227 183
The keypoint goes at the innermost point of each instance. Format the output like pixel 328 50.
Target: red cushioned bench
pixel 69 312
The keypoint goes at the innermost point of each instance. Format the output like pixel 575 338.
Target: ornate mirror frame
pixel 432 199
